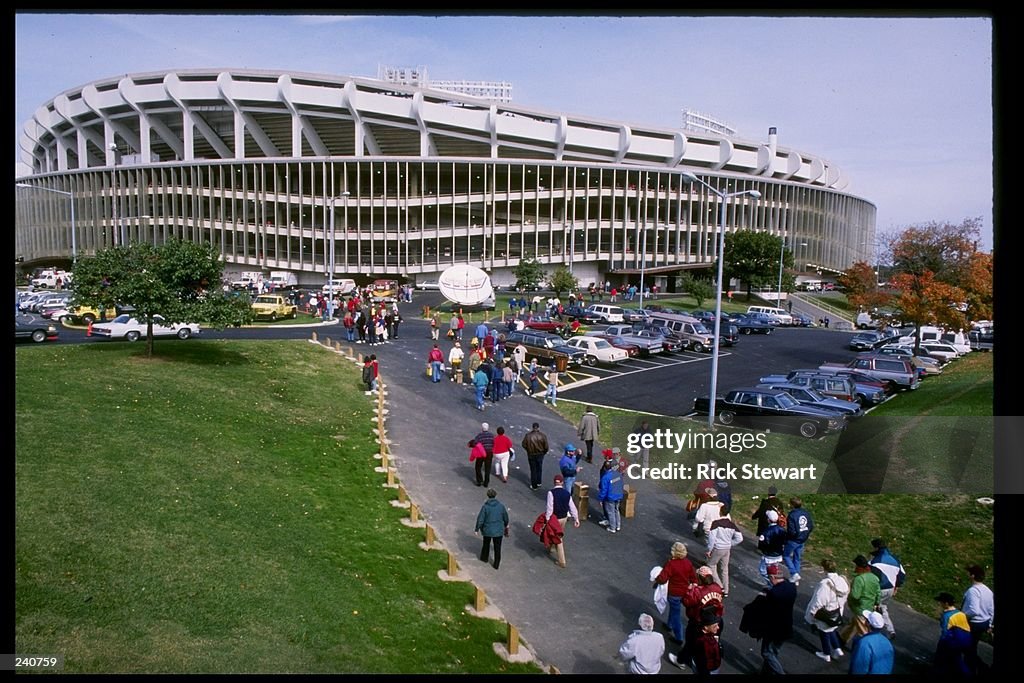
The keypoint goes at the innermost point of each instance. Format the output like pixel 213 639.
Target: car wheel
pixel 89 318
pixel 38 335
pixel 273 317
pixel 808 429
pixel 64 319
pixel 746 330
pixel 132 336
pixel 184 333
pixel 727 417
pixel 295 314
pixel 769 331
pixel 591 360
pixel 699 347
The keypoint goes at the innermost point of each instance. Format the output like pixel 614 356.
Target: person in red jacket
pixel 436 360
pixel 679 574
pixel 703 597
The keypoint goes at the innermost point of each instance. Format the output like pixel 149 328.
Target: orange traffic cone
pixel 88 329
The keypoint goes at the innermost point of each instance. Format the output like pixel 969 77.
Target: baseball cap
pixel 860 561
pixel 484 426
pixel 874 618
pixel 773 491
pixel 559 479
pixel 772 515
pixel 774 569
pixel 570 448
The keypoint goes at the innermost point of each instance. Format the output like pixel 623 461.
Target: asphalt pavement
pixel 574 618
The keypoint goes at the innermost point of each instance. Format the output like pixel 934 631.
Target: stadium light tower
pixel 690 178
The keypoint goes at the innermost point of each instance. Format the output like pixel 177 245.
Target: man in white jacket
pixel 722 535
pixel 644 648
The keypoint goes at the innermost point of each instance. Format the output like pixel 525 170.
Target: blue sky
pixel 903 105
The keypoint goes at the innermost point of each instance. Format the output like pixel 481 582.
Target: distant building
pixel 696 122
pixel 259 162
pixel 492 91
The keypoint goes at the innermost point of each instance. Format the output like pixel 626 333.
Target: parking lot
pixel 667 384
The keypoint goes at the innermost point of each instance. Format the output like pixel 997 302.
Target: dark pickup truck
pixel 772 409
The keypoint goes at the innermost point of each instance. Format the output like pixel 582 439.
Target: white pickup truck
pixel 247 279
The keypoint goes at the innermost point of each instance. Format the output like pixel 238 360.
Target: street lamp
pixel 643 262
pixel 71 198
pixel 690 178
pixel 330 272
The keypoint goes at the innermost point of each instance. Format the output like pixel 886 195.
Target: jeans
pixel 569 481
pixel 480 397
pixel 482 470
pixel 792 553
pixel 509 387
pixel 496 390
pixel 435 370
pixel 534 386
pixel 551 393
pixel 351 332
pixel 536 469
pixel 486 550
pixel 675 616
pixel 611 513
pixel 883 609
pixel 770 654
pixel 762 568
pixel 829 641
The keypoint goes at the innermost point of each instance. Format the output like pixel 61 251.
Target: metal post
pixel 643 261
pixel 782 254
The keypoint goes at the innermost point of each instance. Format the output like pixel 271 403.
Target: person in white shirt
pixel 979 607
pixel 644 648
pixel 455 357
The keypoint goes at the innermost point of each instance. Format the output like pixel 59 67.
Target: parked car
pixel 765 408
pixel 841 383
pixel 607 313
pixel 646 344
pixel 132 329
pixel 273 306
pixel 33 328
pixel 924 364
pixel 618 342
pixel 635 315
pixel 751 325
pixel 706 317
pixel 897 371
pixel 866 341
pixel 808 396
pixel 545 347
pixel 729 333
pixel 671 341
pixel 941 350
pixel 543 323
pixel 688 330
pixel 581 313
pixel 801 320
pixel 597 350
pixel 428 284
pixel 982 339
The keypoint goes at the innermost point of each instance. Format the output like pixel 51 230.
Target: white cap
pixel 484 426
pixel 772 515
pixel 874 618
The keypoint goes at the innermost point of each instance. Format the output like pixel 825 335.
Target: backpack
pixel 367 374
pixel 782 517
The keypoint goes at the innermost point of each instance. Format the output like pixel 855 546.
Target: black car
pixel 729 332
pixel 36 329
pixel 577 312
pixel 750 325
pixel 546 348
pixel 772 409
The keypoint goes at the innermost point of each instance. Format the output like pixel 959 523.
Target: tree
pixel 861 285
pixel 529 273
pixel 179 280
pixel 753 258
pixel 563 281
pixel 699 289
pixel 937 268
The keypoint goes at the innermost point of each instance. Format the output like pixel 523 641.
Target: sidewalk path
pixel 575 618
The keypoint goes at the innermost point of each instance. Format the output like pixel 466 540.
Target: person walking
pixel 865 594
pixel 954 638
pixel 770 543
pixel 609 494
pixel 589 429
pixel 643 648
pixel 497 382
pixel 480 382
pixel 891 576
pixel 979 607
pixel 535 443
pixel 679 574
pixel 435 326
pixel 873 652
pixel 645 452
pixel 483 465
pixel 552 390
pixel 350 326
pixel 708 512
pixel 702 599
pixel 706 652
pixel 770 502
pixel 368 379
pixel 561 505
pixel 436 360
pixel 799 525
pixel 492 524
pixel 455 356
pixel 825 609
pixel 533 376
pixel 722 536
pixel 502 453
pixel 779 602
pixel 453 328
pixel 568 466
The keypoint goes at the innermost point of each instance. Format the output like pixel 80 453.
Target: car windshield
pixel 700 329
pixel 814 395
pixel 266 300
pixel 123 318
pixel 786 401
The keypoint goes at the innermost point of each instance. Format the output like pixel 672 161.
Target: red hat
pixel 559 479
pixel 774 569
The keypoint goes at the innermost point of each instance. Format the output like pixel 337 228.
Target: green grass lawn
pixel 215 509
pixel 935 439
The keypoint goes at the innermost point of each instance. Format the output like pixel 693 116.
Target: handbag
pixel 831 617
pixel 693 504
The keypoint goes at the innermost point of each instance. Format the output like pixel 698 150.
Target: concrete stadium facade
pixel 274 168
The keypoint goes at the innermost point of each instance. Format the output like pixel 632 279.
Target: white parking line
pixel 594 379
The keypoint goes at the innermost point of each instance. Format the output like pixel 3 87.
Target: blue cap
pixel 570 447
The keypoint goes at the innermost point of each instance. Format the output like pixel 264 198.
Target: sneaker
pixel 612 530
pixel 675 661
pixel 838 652
pixel 796 578
pixel 618 528
pixel 724 594
pixel 603 522
pixel 822 655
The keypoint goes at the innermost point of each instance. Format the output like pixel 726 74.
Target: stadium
pixel 296 171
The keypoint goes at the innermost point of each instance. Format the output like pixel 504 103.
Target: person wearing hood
pixel 492 524
pixel 829 595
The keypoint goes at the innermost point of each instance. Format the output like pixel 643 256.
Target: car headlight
pixel 833 423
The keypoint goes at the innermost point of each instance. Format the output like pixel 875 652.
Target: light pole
pixel 691 178
pixel 643 262
pixel 330 272
pixel 71 199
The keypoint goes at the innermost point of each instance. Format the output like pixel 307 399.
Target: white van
pixel 283 279
pixel 343 286
pixel 782 316
pixel 607 313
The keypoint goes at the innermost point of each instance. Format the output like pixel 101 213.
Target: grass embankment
pixel 935 439
pixel 215 509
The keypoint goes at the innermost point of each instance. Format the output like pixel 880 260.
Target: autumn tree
pixel 178 280
pixel 861 285
pixel 937 267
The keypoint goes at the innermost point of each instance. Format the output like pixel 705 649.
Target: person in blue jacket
pixel 609 494
pixel 873 652
pixel 771 543
pixel 799 525
pixel 569 466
